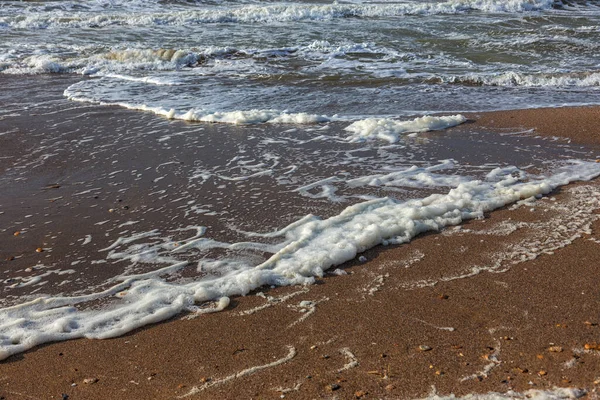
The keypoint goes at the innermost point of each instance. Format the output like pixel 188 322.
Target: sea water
pixel 201 59
pixel 330 160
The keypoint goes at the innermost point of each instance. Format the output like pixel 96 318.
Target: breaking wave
pixel 266 14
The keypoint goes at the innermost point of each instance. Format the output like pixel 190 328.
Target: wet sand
pixel 580 124
pixel 505 303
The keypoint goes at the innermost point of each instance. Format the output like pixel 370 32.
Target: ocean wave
pixel 515 79
pixel 38 65
pixel 93 61
pixel 239 117
pixel 97 60
pixel 266 14
pixel 236 117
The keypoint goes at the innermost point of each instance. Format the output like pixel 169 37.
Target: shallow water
pixel 140 217
pixel 350 59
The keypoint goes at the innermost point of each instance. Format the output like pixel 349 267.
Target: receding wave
pixel 236 117
pixel 307 247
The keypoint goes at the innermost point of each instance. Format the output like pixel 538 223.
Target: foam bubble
pixel 389 129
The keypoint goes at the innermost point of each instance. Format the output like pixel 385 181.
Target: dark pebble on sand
pixel 333 387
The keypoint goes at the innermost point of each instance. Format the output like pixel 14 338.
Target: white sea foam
pixel 413 177
pixel 155 80
pixel 238 117
pixel 535 394
pixel 389 129
pixel 511 78
pixel 38 64
pixel 309 247
pixel 265 14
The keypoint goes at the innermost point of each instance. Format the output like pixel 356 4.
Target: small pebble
pixel 39 250
pixel 360 394
pixel 591 346
pixel 333 387
pixel 89 381
pixel 362 259
pixel 424 347
pixel 542 373
pixel 555 349
pixel 17 233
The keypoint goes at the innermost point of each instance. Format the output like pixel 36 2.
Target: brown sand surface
pixel 520 329
pixel 579 124
pixel 505 303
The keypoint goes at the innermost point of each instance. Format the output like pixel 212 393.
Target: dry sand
pixel 505 303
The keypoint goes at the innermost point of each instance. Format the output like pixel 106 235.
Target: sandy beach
pixel 506 303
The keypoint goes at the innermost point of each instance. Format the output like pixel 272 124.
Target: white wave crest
pixel 37 65
pixel 237 117
pixel 266 14
pixel 245 117
pixel 515 79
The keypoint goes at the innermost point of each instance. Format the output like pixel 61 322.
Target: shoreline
pixel 359 335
